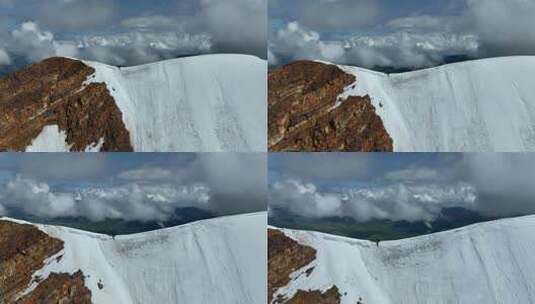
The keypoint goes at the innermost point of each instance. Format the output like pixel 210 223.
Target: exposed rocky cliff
pixel 23 251
pixel 306 113
pixel 286 256
pixel 54 92
pixel 485 105
pixel 208 103
pixel 490 262
pixel 331 296
pixel 61 288
pixel 209 261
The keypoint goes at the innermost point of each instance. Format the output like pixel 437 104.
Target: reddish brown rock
pixel 285 256
pixel 331 296
pixel 23 251
pixel 52 92
pixel 303 117
pixel 59 288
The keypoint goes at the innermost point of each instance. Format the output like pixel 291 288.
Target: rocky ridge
pixel 54 92
pixel 24 250
pixel 307 114
pixel 285 256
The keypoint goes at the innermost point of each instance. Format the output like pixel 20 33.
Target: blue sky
pixel 400 34
pixel 399 186
pixel 124 32
pixel 131 186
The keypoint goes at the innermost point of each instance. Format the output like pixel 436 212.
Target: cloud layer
pixel 128 202
pixel 398 49
pixel 395 202
pixel 479 28
pixel 410 189
pixel 505 27
pixel 103 31
pixel 34 44
pixel 131 187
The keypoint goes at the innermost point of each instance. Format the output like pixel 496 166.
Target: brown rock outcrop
pixel 284 257
pixel 59 288
pixel 303 117
pixel 331 296
pixel 23 251
pixel 52 92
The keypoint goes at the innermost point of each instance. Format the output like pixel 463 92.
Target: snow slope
pixel 483 263
pixel 220 260
pixel 52 139
pixel 207 103
pixel 476 106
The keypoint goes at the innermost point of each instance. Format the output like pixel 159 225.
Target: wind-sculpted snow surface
pixel 484 263
pixel 205 103
pixel 210 261
pixel 476 106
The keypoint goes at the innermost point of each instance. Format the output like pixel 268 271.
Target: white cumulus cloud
pixel 402 48
pixel 4 57
pixel 132 201
pixel 475 29
pixel 397 202
pixel 295 42
pixel 35 44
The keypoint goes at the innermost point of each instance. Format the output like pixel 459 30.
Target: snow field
pixel 476 106
pixel 219 260
pixel 483 263
pixel 207 103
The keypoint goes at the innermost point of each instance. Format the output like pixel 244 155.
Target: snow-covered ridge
pixel 209 261
pixel 483 263
pixel 207 103
pixel 474 106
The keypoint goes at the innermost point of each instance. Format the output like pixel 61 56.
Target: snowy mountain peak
pixel 206 103
pixel 485 263
pixel 483 105
pixel 210 261
pixel 473 106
